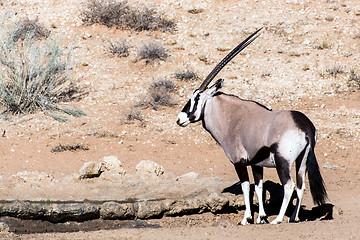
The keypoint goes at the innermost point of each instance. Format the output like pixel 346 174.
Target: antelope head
pixel 192 111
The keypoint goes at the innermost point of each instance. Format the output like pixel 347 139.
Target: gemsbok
pixel 253 135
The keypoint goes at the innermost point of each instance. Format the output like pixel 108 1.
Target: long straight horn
pixel 227 59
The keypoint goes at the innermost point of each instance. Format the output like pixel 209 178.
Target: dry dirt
pixel 285 68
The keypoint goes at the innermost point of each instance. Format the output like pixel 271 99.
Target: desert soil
pixel 287 67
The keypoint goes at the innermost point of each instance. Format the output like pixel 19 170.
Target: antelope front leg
pixel 245 186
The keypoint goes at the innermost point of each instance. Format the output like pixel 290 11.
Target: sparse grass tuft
pixel 306 67
pixel 152 51
pixel 322 44
pixel 186 75
pixel 265 73
pixel 104 134
pixel 119 14
pixel 120 49
pixel 34 74
pixel 163 85
pixel 354 78
pixel 160 94
pixel 28 28
pixel 69 147
pixel 132 115
pixel 335 70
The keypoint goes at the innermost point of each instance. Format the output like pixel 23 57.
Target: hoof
pixel 246 221
pixel 262 220
pixel 276 221
pixel 296 220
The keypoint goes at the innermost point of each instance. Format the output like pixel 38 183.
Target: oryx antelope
pixel 252 135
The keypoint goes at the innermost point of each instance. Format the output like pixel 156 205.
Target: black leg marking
pixel 242 172
pixel 258 173
pixel 282 168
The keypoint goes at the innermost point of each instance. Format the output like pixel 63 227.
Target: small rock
pixel 329 18
pixel 216 202
pixel 86 36
pixel 113 164
pixel 306 41
pixel 113 176
pixel 90 170
pixel 148 209
pixel 203 58
pixel 196 10
pixel 113 210
pixel 189 176
pixel 148 169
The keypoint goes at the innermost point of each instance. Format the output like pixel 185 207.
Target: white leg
pixel 259 192
pixel 245 186
pixel 295 215
pixel 288 191
pixel 300 182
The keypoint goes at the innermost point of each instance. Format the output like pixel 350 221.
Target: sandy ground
pixel 284 69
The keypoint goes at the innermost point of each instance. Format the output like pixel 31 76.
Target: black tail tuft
pixel 317 186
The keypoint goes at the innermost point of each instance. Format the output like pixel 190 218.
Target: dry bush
pixel 354 78
pixel 186 75
pixel 133 114
pixel 160 94
pixel 26 27
pixel 112 13
pixel 104 134
pixel 151 51
pixel 34 74
pixel 69 147
pixel 120 49
pixel 335 70
pixel 322 44
pixel 265 73
pixel 163 85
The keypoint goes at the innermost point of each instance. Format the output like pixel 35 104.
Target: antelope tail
pixel 317 185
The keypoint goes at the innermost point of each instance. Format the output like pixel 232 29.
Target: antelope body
pixel 252 135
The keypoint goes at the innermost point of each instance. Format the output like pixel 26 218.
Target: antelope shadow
pixel 273 196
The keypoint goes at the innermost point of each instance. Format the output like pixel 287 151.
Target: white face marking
pixel 292 143
pixel 183 119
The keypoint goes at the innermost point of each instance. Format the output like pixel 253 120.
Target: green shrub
pixel 112 13
pixel 34 74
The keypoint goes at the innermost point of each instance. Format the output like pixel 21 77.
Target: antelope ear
pixel 216 87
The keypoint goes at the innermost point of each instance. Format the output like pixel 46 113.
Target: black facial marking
pixel 186 109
